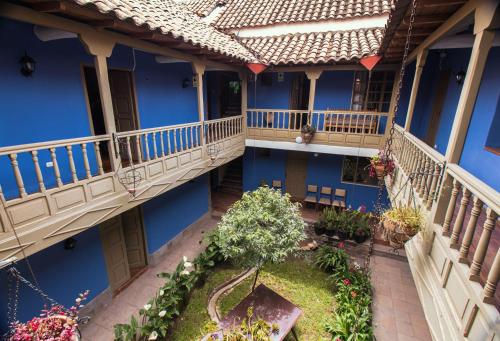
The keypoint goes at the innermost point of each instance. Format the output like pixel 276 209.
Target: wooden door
pixel 296 172
pixel 115 252
pixel 120 83
pixel 437 107
pixel 134 239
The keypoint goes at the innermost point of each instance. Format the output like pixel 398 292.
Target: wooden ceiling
pixel 94 18
pixel 429 15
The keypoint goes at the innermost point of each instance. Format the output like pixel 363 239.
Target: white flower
pixel 147 307
pixel 162 292
pixel 185 272
pixel 78 300
pixel 153 335
pixel 184 259
pixel 188 264
pixel 162 313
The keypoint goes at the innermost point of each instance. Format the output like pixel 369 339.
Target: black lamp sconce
pixel 70 243
pixel 460 76
pixel 27 65
pixel 185 83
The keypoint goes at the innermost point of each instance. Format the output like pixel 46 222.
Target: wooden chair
pixel 325 196
pixel 311 195
pixel 277 184
pixel 339 198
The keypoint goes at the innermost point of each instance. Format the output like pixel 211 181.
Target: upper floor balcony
pixel 93 178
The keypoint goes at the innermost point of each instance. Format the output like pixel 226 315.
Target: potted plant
pixel 319 228
pixel 307 131
pixel 381 165
pixel 55 323
pixel 360 235
pixel 361 227
pixel 400 224
pixel 328 219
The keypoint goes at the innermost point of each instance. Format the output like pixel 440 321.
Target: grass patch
pixel 302 284
pixel 190 325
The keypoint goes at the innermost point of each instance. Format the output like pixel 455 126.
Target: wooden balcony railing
pixel 338 127
pixel 462 226
pixel 52 190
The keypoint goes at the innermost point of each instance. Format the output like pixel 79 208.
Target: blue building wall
pixel 334 90
pixel 275 96
pixel 475 159
pixel 51 104
pixel 62 274
pixel 167 215
pixel 322 170
pixel 405 94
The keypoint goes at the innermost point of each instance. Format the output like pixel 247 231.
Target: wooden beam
pixel 49 6
pixel 103 23
pixel 427 19
pixel 440 3
pixel 414 89
pixel 419 32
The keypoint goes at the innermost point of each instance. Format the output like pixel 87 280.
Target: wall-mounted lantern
pixel 460 76
pixel 27 65
pixel 70 243
pixel 185 83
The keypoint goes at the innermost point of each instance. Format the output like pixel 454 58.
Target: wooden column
pixel 419 67
pixel 102 49
pixel 244 99
pixel 199 70
pixel 313 76
pixel 392 105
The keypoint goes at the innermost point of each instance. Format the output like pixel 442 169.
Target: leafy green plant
pixel 410 219
pixel 263 226
pixel 331 259
pixel 158 315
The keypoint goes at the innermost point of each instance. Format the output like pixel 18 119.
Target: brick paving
pixel 398 314
pixel 132 298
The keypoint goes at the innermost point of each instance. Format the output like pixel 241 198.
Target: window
pixel 355 170
pixel 373 94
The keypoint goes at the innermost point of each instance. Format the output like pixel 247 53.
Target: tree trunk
pixel 255 280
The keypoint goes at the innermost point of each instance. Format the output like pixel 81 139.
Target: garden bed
pixel 297 280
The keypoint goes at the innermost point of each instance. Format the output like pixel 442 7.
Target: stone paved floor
pixel 398 314
pixel 131 299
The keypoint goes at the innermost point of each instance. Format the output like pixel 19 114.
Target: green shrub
pixel 331 259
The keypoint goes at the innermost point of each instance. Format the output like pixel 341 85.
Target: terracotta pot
pixel 379 170
pixel 397 234
pixel 307 137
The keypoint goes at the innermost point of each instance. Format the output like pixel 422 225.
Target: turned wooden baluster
pixel 161 144
pixel 469 231
pixel 459 221
pixel 155 148
pixel 169 151
pixel 57 172
pixel 186 141
pixel 146 145
pixel 191 134
pixel 38 171
pixel 138 148
pixel 451 206
pixel 428 179
pixel 433 188
pixel 174 133
pixel 129 151
pixel 482 246
pixel 17 175
pixel 422 171
pixel 491 283
pixel 86 164
pixel 97 151
pixel 72 168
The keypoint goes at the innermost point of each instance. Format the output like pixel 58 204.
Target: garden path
pixel 137 294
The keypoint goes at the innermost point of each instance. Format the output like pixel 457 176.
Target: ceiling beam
pixel 427 19
pixel 440 3
pixel 49 6
pixel 103 23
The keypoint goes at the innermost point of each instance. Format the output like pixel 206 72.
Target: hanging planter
pixel 307 133
pixel 381 166
pixel 400 224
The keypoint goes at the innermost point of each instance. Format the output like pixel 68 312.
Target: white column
pixel 419 67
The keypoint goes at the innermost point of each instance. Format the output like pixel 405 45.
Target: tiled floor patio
pixel 397 311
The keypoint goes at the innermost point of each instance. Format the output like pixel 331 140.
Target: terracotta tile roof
pixel 250 13
pixel 304 48
pixel 169 17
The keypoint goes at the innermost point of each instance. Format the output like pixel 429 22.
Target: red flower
pixel 341 245
pixel 354 294
pixel 347 281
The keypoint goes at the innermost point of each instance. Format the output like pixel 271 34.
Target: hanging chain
pixel 389 141
pixel 13 299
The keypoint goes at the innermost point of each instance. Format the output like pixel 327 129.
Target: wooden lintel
pixel 49 6
pixel 427 19
pixel 423 32
pixel 103 23
pixel 440 3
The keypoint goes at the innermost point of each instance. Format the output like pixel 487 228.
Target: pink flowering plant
pixel 55 324
pixel 381 165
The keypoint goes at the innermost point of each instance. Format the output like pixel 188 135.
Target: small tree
pixel 263 226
